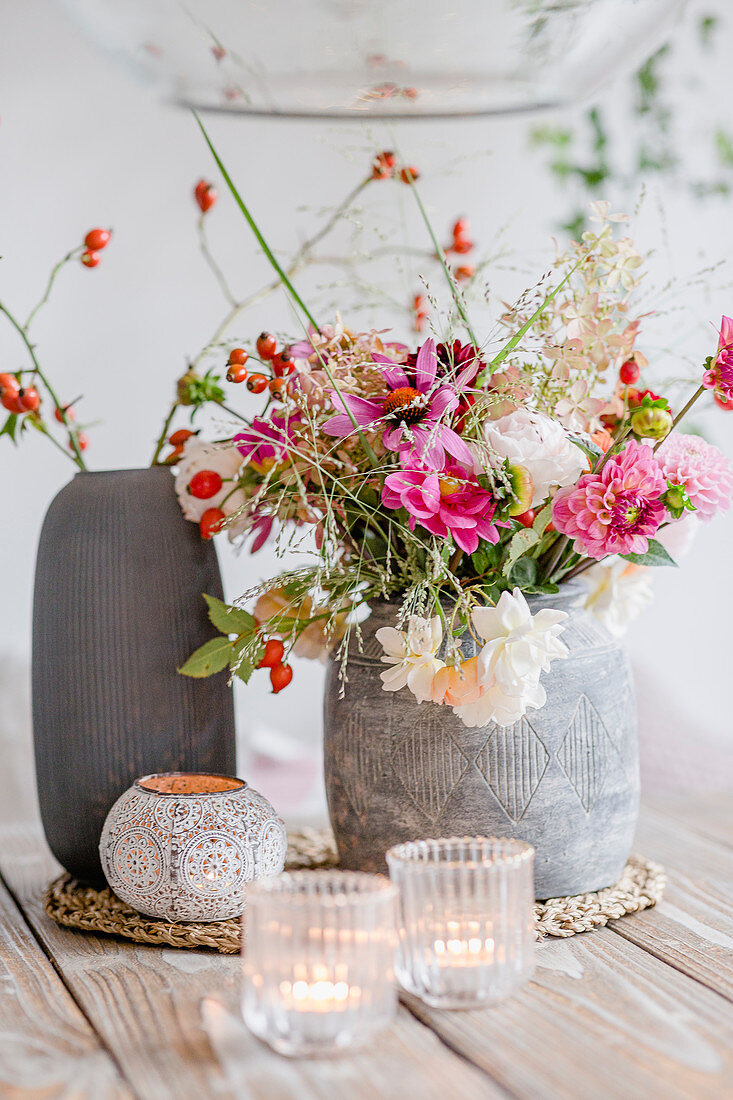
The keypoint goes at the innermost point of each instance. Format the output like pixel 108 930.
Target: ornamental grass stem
pixel 683 412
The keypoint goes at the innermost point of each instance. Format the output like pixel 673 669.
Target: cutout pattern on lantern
pixel 183 847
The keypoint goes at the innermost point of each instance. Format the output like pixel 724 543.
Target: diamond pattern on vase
pixel 357 763
pixel 584 753
pixel 512 762
pixel 429 764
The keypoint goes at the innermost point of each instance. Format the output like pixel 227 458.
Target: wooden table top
pixel 639 1009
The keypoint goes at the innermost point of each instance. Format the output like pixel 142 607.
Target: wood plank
pixel 692 928
pixel 47 1048
pixel 710 815
pixel 602 1018
pixel 146 1003
pixel 406 1060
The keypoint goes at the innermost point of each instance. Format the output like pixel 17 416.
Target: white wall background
pixel 81 145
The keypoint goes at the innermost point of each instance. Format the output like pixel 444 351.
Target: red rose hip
pixel 274 653
pixel 266 345
pixel 205 484
pixel 629 373
pixel 211 522
pixel 280 677
pixel 97 239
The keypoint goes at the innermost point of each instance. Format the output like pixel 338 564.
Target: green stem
pixel 454 288
pixel 164 434
pixel 255 229
pixel 62 263
pixel 77 456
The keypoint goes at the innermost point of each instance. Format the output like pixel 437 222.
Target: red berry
pixel 527 518
pixel 465 271
pixel 97 238
pixel 278 388
pixel 236 373
pixel 462 245
pixel 461 228
pixel 11 401
pixel 205 484
pixel 256 383
pixel 409 174
pixel 179 438
pixel 59 414
pixel 90 259
pixel 29 399
pixel 210 522
pixel 274 653
pixel 266 345
pixel 175 454
pixel 280 677
pixel 629 373
pixel 205 195
pixel 81 441
pixel 9 382
pixel 383 165
pixel 721 402
pixel 282 364
pixel 238 356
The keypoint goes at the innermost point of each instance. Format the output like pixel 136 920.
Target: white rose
pixel 226 460
pixel 531 439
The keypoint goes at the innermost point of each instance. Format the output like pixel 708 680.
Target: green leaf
pixel 211 657
pixel 523 541
pixel 10 427
pixel 656 555
pixel 541 520
pixel 524 572
pixel 228 619
pixel 590 449
pixel 480 562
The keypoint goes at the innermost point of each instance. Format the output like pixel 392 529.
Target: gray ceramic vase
pixel 565 777
pixel 117 609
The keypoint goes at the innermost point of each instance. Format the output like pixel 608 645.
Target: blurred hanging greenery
pixel 583 154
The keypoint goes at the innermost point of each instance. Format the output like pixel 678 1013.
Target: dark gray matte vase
pixel 117 609
pixel 565 777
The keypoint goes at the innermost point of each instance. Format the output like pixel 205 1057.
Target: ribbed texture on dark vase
pixel 117 609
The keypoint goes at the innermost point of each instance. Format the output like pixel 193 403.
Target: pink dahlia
pixel 447 503
pixel 412 415
pixel 266 442
pixel 616 510
pixel 720 375
pixel 703 470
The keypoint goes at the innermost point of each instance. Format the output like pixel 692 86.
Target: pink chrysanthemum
pixel 413 413
pixel 449 503
pixel 703 470
pixel 617 510
pixel 720 376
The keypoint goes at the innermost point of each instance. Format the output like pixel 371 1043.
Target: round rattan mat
pixel 90 910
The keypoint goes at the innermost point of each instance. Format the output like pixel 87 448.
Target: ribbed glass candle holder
pixel 319 950
pixel 465 918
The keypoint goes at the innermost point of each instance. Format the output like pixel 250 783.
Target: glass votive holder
pixel 465 919
pixel 318 955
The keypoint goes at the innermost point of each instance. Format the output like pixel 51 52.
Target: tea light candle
pixel 318 956
pixel 466 918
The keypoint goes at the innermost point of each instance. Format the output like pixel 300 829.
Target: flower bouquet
pixel 452 496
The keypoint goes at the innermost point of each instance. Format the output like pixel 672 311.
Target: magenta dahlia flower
pixel 616 510
pixel 447 503
pixel 720 375
pixel 266 442
pixel 702 469
pixel 412 415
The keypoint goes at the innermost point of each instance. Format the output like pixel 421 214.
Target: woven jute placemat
pixel 89 910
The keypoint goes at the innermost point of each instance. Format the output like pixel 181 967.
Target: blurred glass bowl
pixel 376 58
